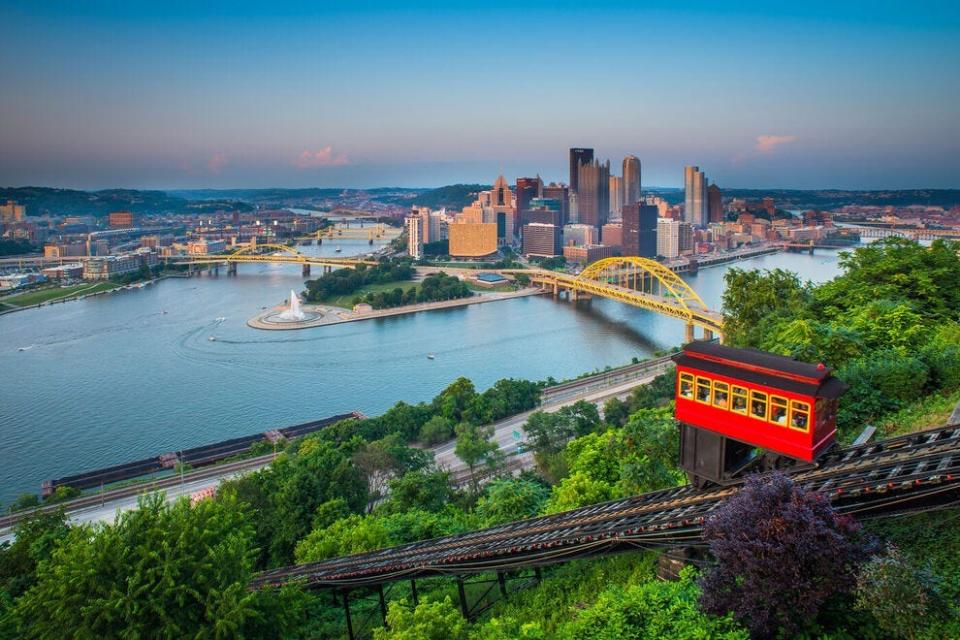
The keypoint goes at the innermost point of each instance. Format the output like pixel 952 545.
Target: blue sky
pixel 245 94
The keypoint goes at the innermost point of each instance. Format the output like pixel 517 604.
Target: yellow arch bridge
pixel 639 282
pixel 271 254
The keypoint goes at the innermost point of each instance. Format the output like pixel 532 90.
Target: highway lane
pixel 597 389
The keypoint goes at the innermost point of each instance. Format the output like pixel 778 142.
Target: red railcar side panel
pixel 803 445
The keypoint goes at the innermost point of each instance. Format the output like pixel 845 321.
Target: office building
pixel 561 194
pixel 589 253
pixel 12 212
pixel 616 196
pixel 579 234
pixel 120 220
pixel 694 196
pixel 472 239
pixel 414 225
pixel 578 156
pixel 527 190
pixel 639 230
pixel 542 240
pixel 593 193
pixel 674 237
pixel 714 204
pixel 631 180
pixel 611 234
pixel 65 250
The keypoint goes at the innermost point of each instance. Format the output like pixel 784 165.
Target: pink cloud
pixel 325 157
pixel 217 162
pixel 767 144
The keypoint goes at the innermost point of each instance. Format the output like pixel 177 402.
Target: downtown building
pixel 631 180
pixel 541 240
pixel 639 231
pixel 616 196
pixel 674 238
pixel 414 224
pixel 714 204
pixel 578 156
pixel 593 193
pixel 695 196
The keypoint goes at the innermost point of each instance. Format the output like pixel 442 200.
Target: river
pixel 134 374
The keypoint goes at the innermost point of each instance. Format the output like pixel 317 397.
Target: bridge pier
pixel 689 335
pixel 305 271
pixel 232 269
pixel 707 334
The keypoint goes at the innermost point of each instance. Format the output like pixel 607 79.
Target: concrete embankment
pixel 328 315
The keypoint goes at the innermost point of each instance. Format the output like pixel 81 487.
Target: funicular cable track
pixel 916 471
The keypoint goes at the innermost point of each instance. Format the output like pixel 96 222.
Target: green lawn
pixel 53 293
pixel 346 301
pixel 500 288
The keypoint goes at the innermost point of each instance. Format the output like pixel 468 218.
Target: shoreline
pixel 338 315
pixel 82 296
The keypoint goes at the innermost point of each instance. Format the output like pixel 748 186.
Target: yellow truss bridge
pixel 272 254
pixel 639 282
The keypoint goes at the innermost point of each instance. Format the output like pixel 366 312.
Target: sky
pixel 238 94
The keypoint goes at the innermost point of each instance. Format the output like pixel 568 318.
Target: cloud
pixel 767 144
pixel 217 162
pixel 325 157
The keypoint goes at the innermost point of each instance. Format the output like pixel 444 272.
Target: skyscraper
pixel 593 193
pixel 639 230
pixel 414 236
pixel 527 190
pixel 695 196
pixel 714 203
pixel 631 180
pixel 560 193
pixel 616 195
pixel 578 156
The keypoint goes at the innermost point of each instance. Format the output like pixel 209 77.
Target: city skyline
pixel 242 95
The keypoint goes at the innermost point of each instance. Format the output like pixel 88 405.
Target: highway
pixel 596 388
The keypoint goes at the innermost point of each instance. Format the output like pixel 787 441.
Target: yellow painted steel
pixel 292 256
pixel 639 282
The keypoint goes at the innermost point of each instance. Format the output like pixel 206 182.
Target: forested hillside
pixel 785 564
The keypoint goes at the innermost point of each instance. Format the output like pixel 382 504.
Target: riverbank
pixel 330 315
pixel 79 292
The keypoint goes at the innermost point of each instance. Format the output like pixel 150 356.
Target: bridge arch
pixel 633 270
pixel 249 249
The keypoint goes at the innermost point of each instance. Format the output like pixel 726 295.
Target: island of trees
pixel 890 324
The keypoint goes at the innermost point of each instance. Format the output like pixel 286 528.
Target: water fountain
pixel 294 313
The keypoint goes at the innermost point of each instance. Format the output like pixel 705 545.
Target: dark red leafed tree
pixel 781 554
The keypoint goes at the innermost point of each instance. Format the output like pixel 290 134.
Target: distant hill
pixel 831 198
pixel 454 196
pixel 59 202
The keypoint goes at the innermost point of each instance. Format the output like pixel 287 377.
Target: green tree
pixel 168 571
pixel 508 499
pixel 476 448
pixel 436 430
pixel 455 400
pixel 754 300
pixel 427 490
pixel 429 620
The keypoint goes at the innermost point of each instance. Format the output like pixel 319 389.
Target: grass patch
pixel 500 288
pixel 38 296
pixel 346 300
pixel 927 412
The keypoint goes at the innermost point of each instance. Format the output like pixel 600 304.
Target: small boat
pixel 338 249
pixel 221 319
pixel 164 312
pixel 25 348
pixel 212 339
pixel 430 356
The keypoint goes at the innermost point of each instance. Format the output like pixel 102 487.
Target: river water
pixel 134 374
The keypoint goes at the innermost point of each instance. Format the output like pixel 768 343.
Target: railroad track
pixel 899 474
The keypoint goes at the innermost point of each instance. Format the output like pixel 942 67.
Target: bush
pixel 781 554
pixel 437 620
pixel 509 499
pixel 436 430
pixel 653 609
pixel 901 599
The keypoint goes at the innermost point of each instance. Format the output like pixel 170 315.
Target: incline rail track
pixel 915 471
